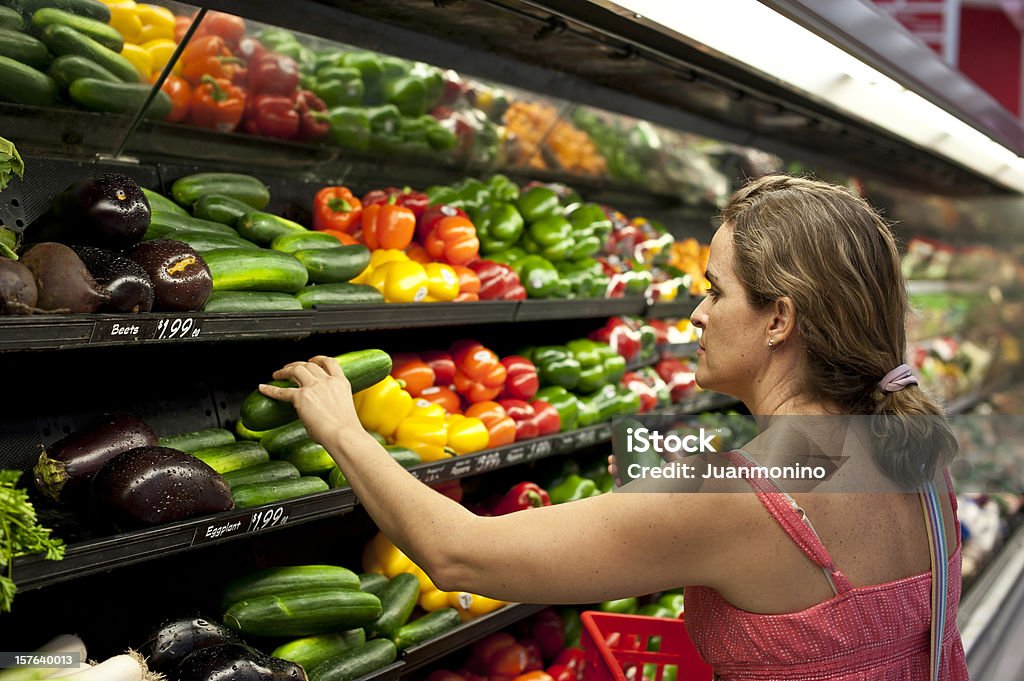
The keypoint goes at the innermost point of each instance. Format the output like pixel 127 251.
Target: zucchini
pixel 263 228
pixel 336 479
pixel 241 269
pixel 427 627
pixel 99 31
pixel 162 223
pixel 378 437
pixel 334 265
pixel 158 203
pixel 249 301
pixel 303 613
pixel 122 98
pixel 68 68
pixel 356 662
pixel 405 457
pixel 232 457
pixel 397 602
pixel 24 48
pixel 219 208
pixel 83 8
pixel 299 241
pixel 309 457
pixel 362 368
pixel 372 583
pixel 338 294
pixel 204 242
pixel 313 650
pixel 261 472
pixel 288 579
pixel 244 433
pixel 11 19
pixel 247 496
pixel 276 440
pixel 66 40
pixel 245 188
pixel 198 439
pixel 23 84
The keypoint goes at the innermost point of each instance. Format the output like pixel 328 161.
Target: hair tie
pixel 897 379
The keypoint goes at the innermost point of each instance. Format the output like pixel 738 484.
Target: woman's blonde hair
pixel 835 257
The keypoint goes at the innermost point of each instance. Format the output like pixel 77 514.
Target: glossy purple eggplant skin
pixel 233 662
pixel 65 469
pixel 109 211
pixel 127 283
pixel 154 485
pixel 173 642
pixel 181 279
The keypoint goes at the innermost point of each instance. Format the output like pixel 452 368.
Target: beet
pixel 62 279
pixel 174 641
pixel 153 485
pixel 125 281
pixel 181 279
pixel 18 292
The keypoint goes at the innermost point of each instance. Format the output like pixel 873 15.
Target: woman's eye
pixel 712 293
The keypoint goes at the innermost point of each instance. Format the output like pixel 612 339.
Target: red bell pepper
pixel 547 630
pixel 508 661
pixel 217 104
pixel 415 201
pixel 450 488
pixel 273 74
pixel 521 497
pixel 336 208
pixel 548 421
pixel 387 225
pixel 620 335
pixel 678 375
pixel 228 27
pixel 469 284
pixel 637 384
pixel 534 663
pixel 524 416
pixel 415 373
pixel 208 56
pixel 250 50
pixel 488 647
pixel 312 116
pixel 442 364
pixel 272 116
pixel 559 672
pixel 521 382
pixel 498 281
pixel 180 92
pixel 426 222
pixel 573 658
pixel 501 428
pixel 479 374
pixel 453 240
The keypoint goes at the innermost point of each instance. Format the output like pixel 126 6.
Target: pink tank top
pixel 878 633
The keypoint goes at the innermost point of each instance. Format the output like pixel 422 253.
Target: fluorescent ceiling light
pixel 751 33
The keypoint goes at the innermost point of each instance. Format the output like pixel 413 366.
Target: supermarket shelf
pixel 925 286
pixel 540 310
pixel 679 349
pixel 682 307
pixel 703 401
pixel 398 316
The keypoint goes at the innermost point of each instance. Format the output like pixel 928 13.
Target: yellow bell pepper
pixel 377 258
pixel 141 59
pixel 424 431
pixel 383 557
pixel 466 434
pixel 124 16
pixel 400 281
pixel 433 600
pixel 160 51
pixel 157 22
pixel 382 406
pixel 417 572
pixel 472 605
pixel 442 282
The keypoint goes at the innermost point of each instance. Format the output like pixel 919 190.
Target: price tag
pixel 255 521
pixel 540 449
pixel 433 474
pixel 604 432
pixel 177 327
pixel 516 455
pixel 124 330
pixel 585 438
pixel 460 468
pixel 486 462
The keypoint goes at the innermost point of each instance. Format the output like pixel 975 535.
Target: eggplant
pixel 110 211
pixel 65 469
pixel 237 662
pixel 125 281
pixel 181 279
pixel 173 642
pixel 152 485
pixel 62 279
pixel 18 292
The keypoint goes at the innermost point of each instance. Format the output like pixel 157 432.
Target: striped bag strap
pixel 940 575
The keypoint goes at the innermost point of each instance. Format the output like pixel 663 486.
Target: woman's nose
pixel 699 316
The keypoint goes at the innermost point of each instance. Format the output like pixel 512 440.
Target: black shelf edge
pixel 678 349
pixel 400 316
pixel 540 310
pixel 703 401
pixel 392 672
pixel 682 307
pixel 926 286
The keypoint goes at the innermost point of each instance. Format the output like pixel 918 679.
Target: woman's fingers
pixel 276 393
pixel 328 364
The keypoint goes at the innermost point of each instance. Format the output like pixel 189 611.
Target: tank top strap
pixel 793 521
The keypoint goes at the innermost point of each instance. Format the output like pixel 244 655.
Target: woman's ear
pixel 782 324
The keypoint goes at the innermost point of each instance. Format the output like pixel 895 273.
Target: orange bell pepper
pixel 414 372
pixel 345 238
pixel 442 395
pixel 453 240
pixel 469 284
pixel 180 93
pixel 417 253
pixel 208 56
pixel 388 226
pixel 336 208
pixel 217 104
pixel 479 374
pixel 500 426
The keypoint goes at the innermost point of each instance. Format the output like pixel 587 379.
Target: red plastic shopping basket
pixel 620 648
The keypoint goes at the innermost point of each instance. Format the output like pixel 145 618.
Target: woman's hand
pixel 322 398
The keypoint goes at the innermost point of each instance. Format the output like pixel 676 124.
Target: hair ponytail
pixel 912 437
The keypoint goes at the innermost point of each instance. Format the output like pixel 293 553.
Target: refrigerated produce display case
pixel 590 145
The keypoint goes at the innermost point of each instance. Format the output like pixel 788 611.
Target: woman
pixel 805 316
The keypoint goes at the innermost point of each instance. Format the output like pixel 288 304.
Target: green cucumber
pixel 249 301
pixel 83 8
pixel 288 579
pixel 299 241
pixel 198 439
pixel 427 627
pixel 158 203
pixel 338 294
pixel 336 479
pixel 378 437
pixel 313 650
pixel 232 457
pixel 100 31
pixel 397 602
pixel 66 40
pixel 245 188
pixel 122 98
pixel 372 583
pixel 247 496
pixel 244 433
pixel 23 84
pixel 262 228
pixel 219 208
pixel 303 613
pixel 261 472
pixel 162 223
pixel 204 242
pixel 241 269
pixel 309 457
pixel 362 368
pixel 24 48
pixel 357 662
pixel 276 440
pixel 334 265
pixel 11 19
pixel 405 457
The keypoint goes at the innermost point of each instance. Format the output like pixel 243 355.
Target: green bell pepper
pixel 537 203
pixel 584 246
pixel 655 610
pixel 628 402
pixel 556 366
pixel 370 70
pixel 573 488
pixel 394 67
pixel 339 86
pixel 325 58
pixel 473 193
pixel 553 236
pixel 349 127
pixel 440 194
pixel 385 119
pixel 572 625
pixel 439 137
pixel 502 189
pixel 590 217
pixel 615 367
pixel 621 606
pixel 510 256
pixel 498 226
pixel 586 351
pixel 432 80
pixel 586 276
pixel 591 379
pixel 538 276
pixel 564 402
pixel 673 602
pixel 407 93
pixel 605 402
pixel 412 138
pixel 597 470
pixel 587 412
pixel 274 38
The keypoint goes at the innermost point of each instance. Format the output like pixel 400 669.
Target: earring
pixel 771 343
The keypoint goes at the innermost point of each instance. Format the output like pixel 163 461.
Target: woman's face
pixel 734 334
